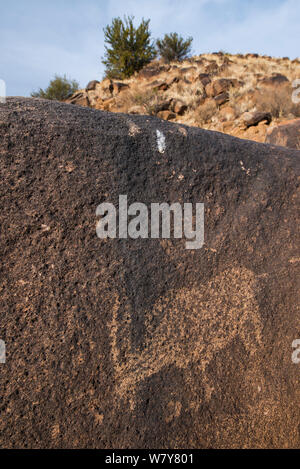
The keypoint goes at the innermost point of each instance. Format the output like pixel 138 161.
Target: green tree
pixel 59 89
pixel 127 49
pixel 173 47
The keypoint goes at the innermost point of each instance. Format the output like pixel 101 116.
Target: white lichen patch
pixel 161 141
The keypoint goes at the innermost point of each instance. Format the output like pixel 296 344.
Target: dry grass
pixel 245 98
pixel 148 99
pixel 278 102
pixel 205 112
pixel 191 94
pixel 189 90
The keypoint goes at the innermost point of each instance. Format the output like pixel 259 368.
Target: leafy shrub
pixel 128 48
pixel 59 89
pixel 173 47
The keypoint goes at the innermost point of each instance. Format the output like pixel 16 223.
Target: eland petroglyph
pixel 187 326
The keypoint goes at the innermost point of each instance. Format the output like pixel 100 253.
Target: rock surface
pixel 142 343
pixel 276 80
pixel 219 86
pixel 92 85
pixel 254 118
pixel 286 134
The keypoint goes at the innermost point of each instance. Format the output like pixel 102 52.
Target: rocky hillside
pixel 141 343
pixel 242 95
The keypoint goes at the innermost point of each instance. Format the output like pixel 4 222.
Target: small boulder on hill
pixel 80 98
pixel 153 69
pixel 212 67
pixel 275 80
pixel 105 89
pixel 92 85
pixel 118 87
pixel 221 98
pixel 166 115
pixel 286 134
pixel 254 117
pixel 142 343
pixel 178 107
pixel 204 78
pixel 163 85
pixel 219 86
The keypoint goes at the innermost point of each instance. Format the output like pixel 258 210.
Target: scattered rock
pixel 153 69
pixel 285 134
pixel 166 115
pixel 164 85
pixel 159 86
pixel 204 78
pixel 92 85
pixel 227 60
pixel 105 89
pixel 136 110
pixel 119 86
pixel 199 61
pixel 275 80
pixel 179 107
pixel 253 118
pixel 185 70
pixel 93 98
pixel 220 85
pixel 164 105
pixel 227 113
pixel 108 104
pixel 212 68
pixel 221 98
pixel 80 98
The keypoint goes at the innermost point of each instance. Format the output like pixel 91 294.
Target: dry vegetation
pixel 179 92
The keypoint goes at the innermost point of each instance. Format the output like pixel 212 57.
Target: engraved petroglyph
pixel 55 432
pixel 196 324
pixel 174 410
pixel 183 131
pixel 133 129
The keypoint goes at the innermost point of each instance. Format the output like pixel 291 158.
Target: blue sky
pixel 39 38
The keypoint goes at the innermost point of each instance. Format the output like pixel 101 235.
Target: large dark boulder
pixel 142 343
